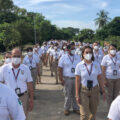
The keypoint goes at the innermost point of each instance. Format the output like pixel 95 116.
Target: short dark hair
pixel 113 45
pixel 69 46
pixel 72 43
pixel 29 48
pixel 88 47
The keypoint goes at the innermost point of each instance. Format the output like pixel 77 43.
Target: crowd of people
pixel 85 70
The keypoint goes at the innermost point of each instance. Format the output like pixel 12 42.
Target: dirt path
pixel 50 101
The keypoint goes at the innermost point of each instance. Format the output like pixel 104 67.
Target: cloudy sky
pixel 74 13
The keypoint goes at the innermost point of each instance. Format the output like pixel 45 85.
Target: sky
pixel 71 13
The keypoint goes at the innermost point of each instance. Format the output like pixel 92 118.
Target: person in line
pixel 114 112
pixel 32 61
pixel 66 66
pixel 10 105
pixel 88 79
pixel 18 77
pixel 111 73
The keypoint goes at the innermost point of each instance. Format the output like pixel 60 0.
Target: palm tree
pixel 102 19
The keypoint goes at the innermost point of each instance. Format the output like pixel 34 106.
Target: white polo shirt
pixel 98 56
pixel 62 53
pixel 31 61
pixel 108 63
pixel 67 65
pixel 40 52
pixel 114 112
pixel 10 105
pixel 24 76
pixel 50 50
pixel 81 71
pixel 78 51
pixel 55 55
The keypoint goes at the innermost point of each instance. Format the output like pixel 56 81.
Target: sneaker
pixel 76 111
pixel 66 112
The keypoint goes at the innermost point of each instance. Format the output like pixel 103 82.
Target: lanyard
pixel 15 76
pixel 114 62
pixel 89 72
pixel 72 61
pixel 30 60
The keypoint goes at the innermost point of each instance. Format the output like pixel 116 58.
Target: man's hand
pixel 78 100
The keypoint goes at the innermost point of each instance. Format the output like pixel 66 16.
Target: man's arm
pixel 31 94
pixel 60 70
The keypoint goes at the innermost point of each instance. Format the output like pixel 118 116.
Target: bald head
pixel 16 52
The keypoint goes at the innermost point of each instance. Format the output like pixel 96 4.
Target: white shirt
pixel 81 71
pixel 108 63
pixel 50 50
pixel 78 51
pixel 31 61
pixel 40 52
pixel 114 112
pixel 98 56
pixel 55 55
pixel 7 76
pixel 62 52
pixel 67 65
pixel 10 105
pixel 44 49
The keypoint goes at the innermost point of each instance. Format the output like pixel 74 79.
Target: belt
pixel 69 77
pixel 20 95
pixel 86 88
pixel 32 68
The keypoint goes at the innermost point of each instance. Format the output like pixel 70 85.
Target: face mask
pixel 16 61
pixel 79 52
pixel 55 48
pixel 96 47
pixel 112 52
pixel 73 52
pixel 30 53
pixel 8 60
pixel 64 47
pixel 81 47
pixel 88 56
pixel 35 49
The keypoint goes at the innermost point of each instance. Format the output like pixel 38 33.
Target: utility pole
pixel 34 30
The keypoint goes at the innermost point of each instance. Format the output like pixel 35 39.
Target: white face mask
pixel 81 47
pixel 79 52
pixel 30 53
pixel 8 60
pixel 35 49
pixel 73 52
pixel 64 47
pixel 96 47
pixel 112 52
pixel 55 48
pixel 88 56
pixel 16 61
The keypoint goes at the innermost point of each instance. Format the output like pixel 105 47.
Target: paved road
pixel 50 101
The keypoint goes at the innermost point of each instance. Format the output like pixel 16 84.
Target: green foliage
pixel 85 35
pixel 18 26
pixel 111 29
pixel 102 19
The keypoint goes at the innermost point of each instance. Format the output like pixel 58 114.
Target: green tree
pixel 85 34
pixel 102 19
pixel 6 5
